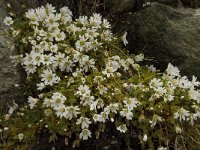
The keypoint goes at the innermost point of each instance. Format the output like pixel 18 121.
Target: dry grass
pixel 189 139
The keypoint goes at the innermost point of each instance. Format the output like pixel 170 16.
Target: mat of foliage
pixel 81 82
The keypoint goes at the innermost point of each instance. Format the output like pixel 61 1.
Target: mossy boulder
pixel 167 35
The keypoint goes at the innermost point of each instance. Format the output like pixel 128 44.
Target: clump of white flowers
pixel 82 79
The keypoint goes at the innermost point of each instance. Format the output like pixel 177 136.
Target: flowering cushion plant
pixel 78 77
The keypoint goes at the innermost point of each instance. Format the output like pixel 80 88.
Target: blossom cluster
pixel 84 79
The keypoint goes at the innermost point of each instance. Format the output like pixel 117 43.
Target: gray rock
pixel 20 6
pixel 173 3
pixel 118 6
pixel 9 74
pixel 191 3
pixel 168 35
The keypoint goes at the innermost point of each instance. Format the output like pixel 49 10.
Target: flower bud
pixel 178 129
pixel 145 138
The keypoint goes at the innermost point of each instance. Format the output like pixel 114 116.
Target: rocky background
pixel 164 30
pixel 10 76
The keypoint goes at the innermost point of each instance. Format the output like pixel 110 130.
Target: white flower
pixel 85 134
pixel 37 58
pixel 95 20
pixel 102 89
pixel 49 78
pixel 41 13
pixel 109 71
pixel 145 138
pixel 152 68
pixel 93 105
pixel 66 19
pixel 48 36
pixel 40 86
pixel 155 119
pixel 12 108
pixel 173 71
pixel 126 112
pixel 83 90
pixel 20 136
pixel 37 49
pixel 81 44
pixel 6 128
pixel 32 102
pixel 82 20
pixel 155 83
pixel 181 114
pixel 106 24
pixel 7 116
pixel 131 103
pixel 52 18
pixel 87 100
pixel 122 128
pixel 15 33
pixel 168 97
pixel 98 79
pixel 73 111
pixel 160 91
pixel 178 129
pixel 196 115
pixel 100 103
pixel 107 35
pixel 66 64
pixel 72 29
pixel 96 117
pixel 57 99
pixel 50 8
pixel 30 68
pixel 124 39
pixel 60 36
pixel 162 148
pixel 70 81
pixel 194 81
pixel 130 61
pixel 195 95
pixel 184 83
pixel 112 63
pixel 130 88
pixel 65 11
pixel 61 111
pixel 113 107
pixel 84 121
pixel 54 48
pixel 53 28
pixel 8 21
pixel 59 58
pixel 139 57
pixel 32 16
pixel 86 63
pixel 102 117
pixel 77 73
pixel 48 112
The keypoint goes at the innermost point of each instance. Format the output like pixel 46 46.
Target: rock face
pixel 19 6
pixel 168 35
pixel 191 3
pixel 9 74
pixel 118 6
